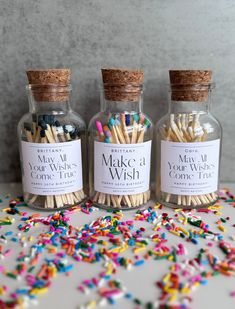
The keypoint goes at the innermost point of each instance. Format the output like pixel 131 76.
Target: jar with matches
pixel 52 141
pixel 120 138
pixel 188 143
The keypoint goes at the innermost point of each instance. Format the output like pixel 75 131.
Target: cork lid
pixel 190 85
pixel 49 85
pixel 122 84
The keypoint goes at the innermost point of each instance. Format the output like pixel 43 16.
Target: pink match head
pixel 99 126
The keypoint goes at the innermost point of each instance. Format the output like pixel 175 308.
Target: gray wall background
pixel 156 35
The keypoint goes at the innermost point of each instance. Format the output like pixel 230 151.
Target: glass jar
pixel 188 144
pixel 120 138
pixel 52 141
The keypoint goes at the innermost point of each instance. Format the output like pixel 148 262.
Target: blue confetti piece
pixel 139 262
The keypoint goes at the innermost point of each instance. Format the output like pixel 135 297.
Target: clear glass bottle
pixel 120 138
pixel 188 144
pixel 52 142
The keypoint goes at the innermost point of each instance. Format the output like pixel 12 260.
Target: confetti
pixel 50 245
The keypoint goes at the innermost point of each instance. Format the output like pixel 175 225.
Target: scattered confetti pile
pixel 49 246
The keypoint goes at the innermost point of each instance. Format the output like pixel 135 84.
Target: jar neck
pixel 190 99
pixel 116 99
pixel 49 99
pixel 181 107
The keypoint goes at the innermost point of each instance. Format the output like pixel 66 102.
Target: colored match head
pixel 147 123
pixel 117 122
pixel 128 119
pixel 99 128
pixel 56 123
pixel 136 117
pixel 107 131
pixel 111 122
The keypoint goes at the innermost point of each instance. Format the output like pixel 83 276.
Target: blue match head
pixel 57 124
pixel 128 119
pixel 111 122
pixel 46 118
pixel 42 133
pixel 117 122
pixel 42 124
pixel 49 119
pixel 107 140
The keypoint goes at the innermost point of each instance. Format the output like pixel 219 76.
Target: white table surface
pixel 140 281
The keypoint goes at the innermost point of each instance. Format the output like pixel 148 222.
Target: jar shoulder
pixel 26 118
pixel 75 117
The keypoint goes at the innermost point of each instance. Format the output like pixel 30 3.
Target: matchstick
pixel 186 128
pixel 47 130
pixel 117 132
pixel 123 123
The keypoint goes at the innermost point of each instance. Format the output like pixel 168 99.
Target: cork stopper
pixel 50 85
pixel 122 84
pixel 190 85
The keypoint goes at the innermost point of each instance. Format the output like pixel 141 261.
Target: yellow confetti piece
pixel 156 228
pixel 173 298
pixel 174 233
pixel 183 231
pixel 2 291
pixel 139 244
pixel 185 290
pixel 38 291
pixel 91 304
pixel 196 284
pixel 156 206
pixel 166 278
pixel 159 253
pixel 178 209
pixel 170 290
pixel 155 239
pixel 137 250
pixel 6 209
pixel 170 258
pixel 118 249
pixel 215 207
pixel 222 228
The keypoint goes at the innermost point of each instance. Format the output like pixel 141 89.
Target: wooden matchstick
pixel 124 129
pixel 52 132
pixel 116 132
pixel 186 128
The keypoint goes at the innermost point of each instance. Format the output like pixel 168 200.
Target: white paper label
pixel 189 168
pixel 52 169
pixel 122 169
